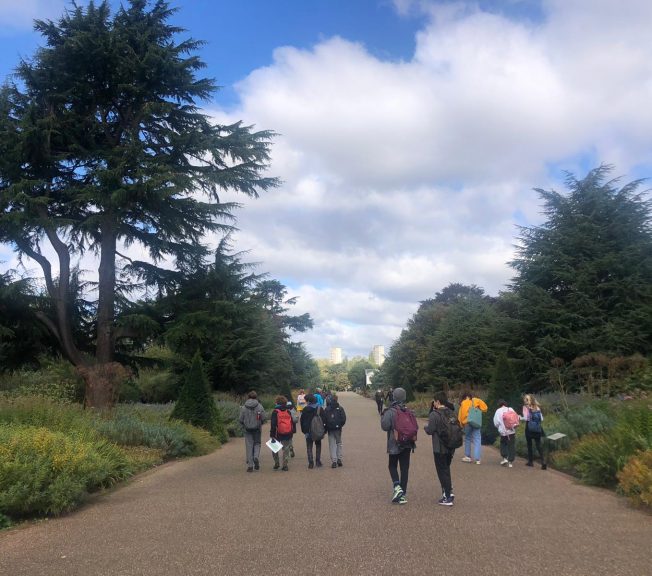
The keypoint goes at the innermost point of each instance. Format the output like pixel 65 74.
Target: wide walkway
pixel 206 516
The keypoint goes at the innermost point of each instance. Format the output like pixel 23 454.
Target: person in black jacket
pixel 308 413
pixel 437 427
pixel 335 418
pixel 282 428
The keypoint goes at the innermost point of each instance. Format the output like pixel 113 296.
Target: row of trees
pixel 578 311
pixel 103 149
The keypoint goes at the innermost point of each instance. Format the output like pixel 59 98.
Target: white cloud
pixel 20 15
pixel 400 177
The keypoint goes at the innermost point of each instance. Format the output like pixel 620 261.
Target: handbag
pixel 475 416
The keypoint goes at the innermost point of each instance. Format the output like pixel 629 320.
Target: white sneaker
pixel 510 465
pixel 504 461
pixel 477 461
pixel 466 459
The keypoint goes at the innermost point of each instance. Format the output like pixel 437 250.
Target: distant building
pixel 336 355
pixel 378 354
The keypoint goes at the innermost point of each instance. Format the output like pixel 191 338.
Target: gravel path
pixel 206 516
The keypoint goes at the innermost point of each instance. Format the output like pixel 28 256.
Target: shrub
pixel 43 412
pixel 58 379
pixel 47 472
pixel 196 405
pixel 172 438
pixel 635 479
pixel 230 411
pixel 157 386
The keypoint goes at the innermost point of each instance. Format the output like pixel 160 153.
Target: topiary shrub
pixel 635 479
pixel 196 404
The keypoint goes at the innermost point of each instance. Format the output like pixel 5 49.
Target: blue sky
pixel 411 134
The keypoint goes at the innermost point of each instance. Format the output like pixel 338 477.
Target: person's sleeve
pixel 430 426
pixel 462 415
pixel 497 420
pixel 272 429
pixel 386 420
pixel 482 405
pixel 343 416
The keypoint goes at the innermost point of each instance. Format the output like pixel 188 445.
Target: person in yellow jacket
pixel 472 433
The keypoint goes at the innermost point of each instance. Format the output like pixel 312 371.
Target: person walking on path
pixel 252 417
pixel 533 418
pixel 506 420
pixel 295 419
pixel 301 400
pixel 281 430
pixel 470 417
pixel 335 418
pixel 312 410
pixel 379 400
pixel 438 428
pixel 318 397
pixel 399 453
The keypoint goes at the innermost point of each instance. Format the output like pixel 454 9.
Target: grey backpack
pixel 317 429
pixel 252 418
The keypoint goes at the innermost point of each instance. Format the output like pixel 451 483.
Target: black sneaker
pixel 250 469
pixel 285 468
pixel 311 465
pixel 334 465
pixel 397 494
pixel 544 466
pixel 256 464
pixel 339 463
pixel 529 464
pixel 277 466
pixel 318 464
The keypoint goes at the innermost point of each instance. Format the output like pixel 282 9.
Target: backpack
pixel 251 418
pixel 534 423
pixel 334 418
pixel 317 429
pixel 452 436
pixel 405 427
pixel 283 423
pixel 510 419
pixel 475 416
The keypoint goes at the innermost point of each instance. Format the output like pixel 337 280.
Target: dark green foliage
pixel 584 277
pixel 356 374
pixel 196 404
pixel 103 145
pixel 503 386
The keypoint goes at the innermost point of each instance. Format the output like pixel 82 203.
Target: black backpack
pixel 334 417
pixel 452 436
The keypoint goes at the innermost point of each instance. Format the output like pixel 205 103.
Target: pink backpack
pixel 510 419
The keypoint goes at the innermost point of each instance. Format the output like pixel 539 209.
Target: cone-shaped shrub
pixel 195 404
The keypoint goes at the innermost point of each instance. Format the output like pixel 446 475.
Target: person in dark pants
pixel 437 427
pixel 399 456
pixel 379 400
pixel 533 429
pixel 311 411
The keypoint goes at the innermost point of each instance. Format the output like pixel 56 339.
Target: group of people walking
pixel 448 428
pixel 316 416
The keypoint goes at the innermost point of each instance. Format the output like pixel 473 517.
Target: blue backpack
pixel 534 423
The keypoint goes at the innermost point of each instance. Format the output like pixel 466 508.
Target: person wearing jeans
pixel 472 435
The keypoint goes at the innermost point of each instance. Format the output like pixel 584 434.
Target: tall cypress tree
pixel 103 145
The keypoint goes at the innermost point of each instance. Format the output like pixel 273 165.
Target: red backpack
pixel 405 427
pixel 283 423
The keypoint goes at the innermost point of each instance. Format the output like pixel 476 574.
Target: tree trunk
pixel 106 298
pixel 103 383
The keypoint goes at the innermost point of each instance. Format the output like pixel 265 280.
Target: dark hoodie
pixel 334 416
pixel 307 414
pixel 274 423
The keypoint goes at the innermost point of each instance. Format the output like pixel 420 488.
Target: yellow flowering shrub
pixel 635 479
pixel 49 472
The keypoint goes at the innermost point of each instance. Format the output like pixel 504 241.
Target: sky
pixel 410 135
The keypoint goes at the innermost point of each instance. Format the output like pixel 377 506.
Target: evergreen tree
pixel 195 404
pixel 503 386
pixel 103 146
pixel 584 277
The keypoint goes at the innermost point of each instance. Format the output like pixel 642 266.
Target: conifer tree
pixel 195 404
pixel 103 146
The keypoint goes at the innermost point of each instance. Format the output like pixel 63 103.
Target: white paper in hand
pixel 274 446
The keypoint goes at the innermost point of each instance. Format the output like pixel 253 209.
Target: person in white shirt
pixel 506 420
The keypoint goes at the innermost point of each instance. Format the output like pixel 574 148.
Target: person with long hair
pixel 533 418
